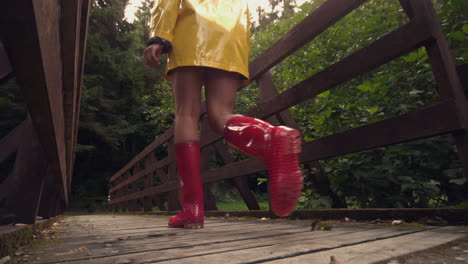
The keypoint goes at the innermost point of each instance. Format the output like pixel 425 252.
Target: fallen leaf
pixel 314 224
pixel 333 260
pixel 73 251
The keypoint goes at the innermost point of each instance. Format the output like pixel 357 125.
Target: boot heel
pixel 193 226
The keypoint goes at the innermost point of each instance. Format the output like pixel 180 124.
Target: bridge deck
pixel 146 239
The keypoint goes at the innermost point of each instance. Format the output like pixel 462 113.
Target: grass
pixel 239 206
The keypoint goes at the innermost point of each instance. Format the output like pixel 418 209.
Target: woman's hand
pixel 151 55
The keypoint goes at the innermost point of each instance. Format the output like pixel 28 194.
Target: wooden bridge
pixel 133 187
pixel 34 34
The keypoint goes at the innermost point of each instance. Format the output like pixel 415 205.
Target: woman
pixel 208 42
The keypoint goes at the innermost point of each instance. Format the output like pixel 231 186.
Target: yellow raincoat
pixel 209 33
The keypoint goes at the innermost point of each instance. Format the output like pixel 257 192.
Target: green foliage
pixel 424 173
pixel 124 104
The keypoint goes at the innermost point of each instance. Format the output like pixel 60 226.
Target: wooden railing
pixel 134 182
pixel 43 47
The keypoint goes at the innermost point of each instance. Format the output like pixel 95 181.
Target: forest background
pixel 125 106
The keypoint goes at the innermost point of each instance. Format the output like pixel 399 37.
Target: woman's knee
pixel 217 121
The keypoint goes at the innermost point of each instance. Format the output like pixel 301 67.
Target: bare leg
pixel 186 85
pixel 277 146
pixel 221 88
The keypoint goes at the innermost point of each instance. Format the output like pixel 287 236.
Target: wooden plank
pixel 50 195
pixel 430 121
pixel 380 250
pixel 319 20
pixel 85 14
pixel 70 32
pixel 31 37
pixel 140 174
pixel 6 70
pixel 24 193
pixel 166 136
pixel 10 143
pixel 166 187
pixel 239 242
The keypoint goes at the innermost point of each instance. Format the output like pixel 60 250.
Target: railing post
pixel 122 192
pixel 444 69
pixel 135 188
pixel 50 194
pixel 148 181
pixel 125 204
pixel 163 179
pixel 24 193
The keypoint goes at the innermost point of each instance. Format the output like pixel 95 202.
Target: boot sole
pixel 286 184
pixel 194 226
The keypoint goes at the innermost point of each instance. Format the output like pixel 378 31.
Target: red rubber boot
pixel 278 147
pixel 188 167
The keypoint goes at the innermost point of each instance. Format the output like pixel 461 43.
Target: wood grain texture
pixel 70 32
pixel 146 239
pixel 84 23
pixel 23 194
pixel 30 33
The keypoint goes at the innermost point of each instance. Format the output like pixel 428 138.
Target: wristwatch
pixel 167 45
